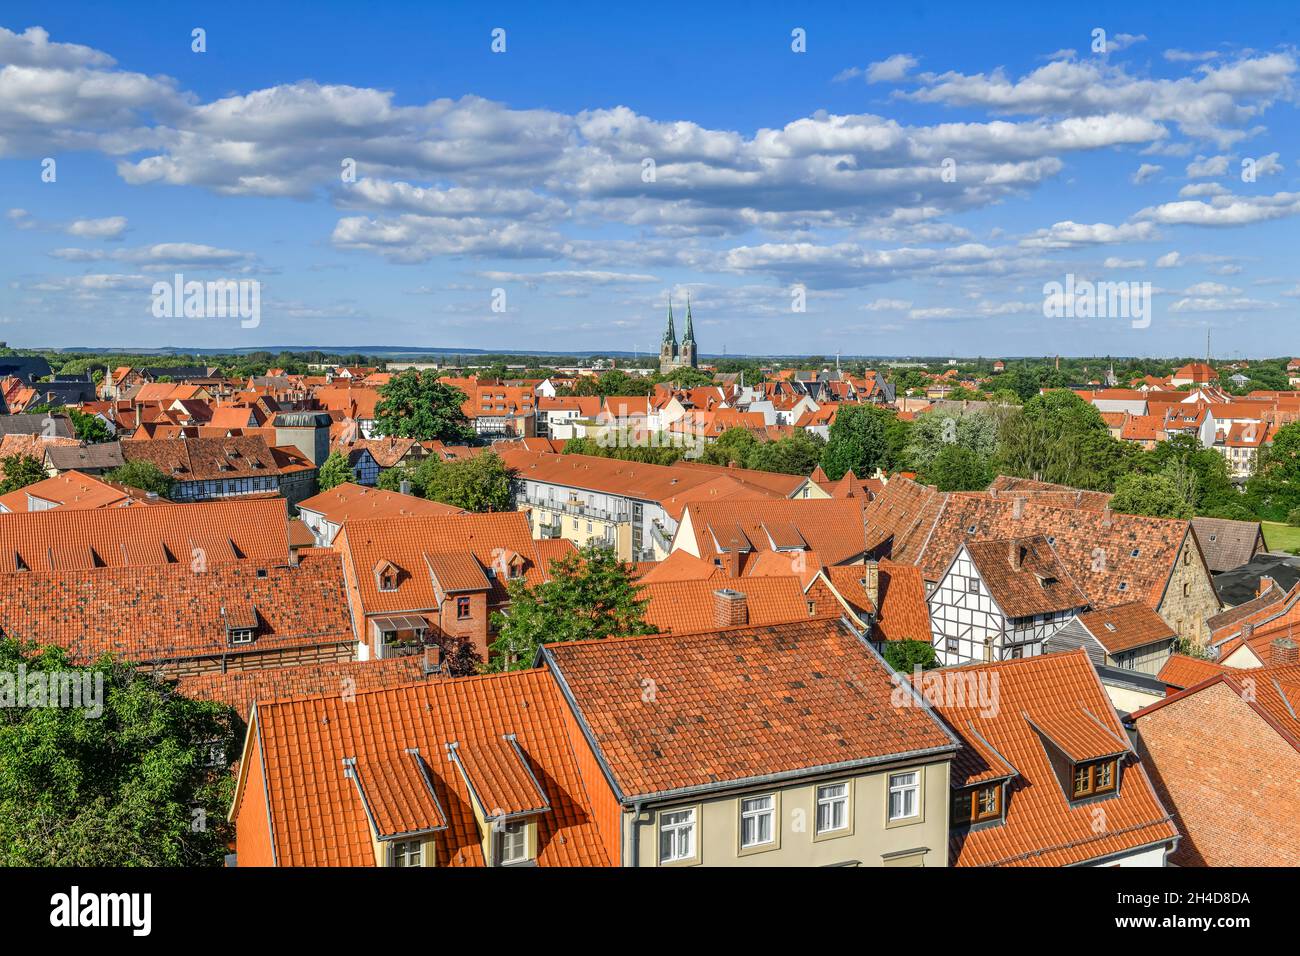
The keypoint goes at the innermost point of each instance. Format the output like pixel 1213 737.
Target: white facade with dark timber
pixel 970 626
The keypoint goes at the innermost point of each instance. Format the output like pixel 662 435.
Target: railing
pixel 576 508
pixel 660 536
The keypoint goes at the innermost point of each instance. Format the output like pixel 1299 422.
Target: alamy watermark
pixel 218 299
pixel 1098 300
pixel 82 690
pixel 976 689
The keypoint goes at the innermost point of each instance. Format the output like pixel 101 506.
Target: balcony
pixel 577 509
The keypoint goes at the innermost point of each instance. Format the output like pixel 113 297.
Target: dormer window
pixel 981 804
pixel 388 580
pixel 241 635
pixel 1097 777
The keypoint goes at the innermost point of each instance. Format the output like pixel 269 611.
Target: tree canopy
pixel 146 782
pixel 415 405
pixel 590 594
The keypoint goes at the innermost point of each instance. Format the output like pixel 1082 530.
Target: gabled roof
pixel 685 606
pixel 169 612
pixel 1228 544
pixel 117 537
pixel 1025 576
pixel 406 540
pixel 1061 697
pixel 737 705
pixel 833 527
pixel 316 816
pixel 352 501
pixel 1126 626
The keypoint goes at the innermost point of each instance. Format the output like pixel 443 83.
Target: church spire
pixel 690 330
pixel 670 334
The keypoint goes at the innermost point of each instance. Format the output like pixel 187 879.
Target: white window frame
pixel 512 843
pixel 845 799
pixel 756 815
pixel 892 788
pixel 688 826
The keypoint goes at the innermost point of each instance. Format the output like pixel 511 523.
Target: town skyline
pixel 882 183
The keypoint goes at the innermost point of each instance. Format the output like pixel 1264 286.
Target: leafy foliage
pixel 1157 496
pixel 334 471
pixel 905 656
pixel 863 438
pixel 590 594
pixel 135 786
pixel 19 472
pixel 144 475
pixel 480 483
pixel 418 406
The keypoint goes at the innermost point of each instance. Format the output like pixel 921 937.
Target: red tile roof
pixel 116 537
pixel 833 527
pixel 1061 696
pixel 738 704
pixel 169 612
pixel 1126 626
pixel 688 605
pixel 316 815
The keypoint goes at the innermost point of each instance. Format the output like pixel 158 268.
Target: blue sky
pixel 524 171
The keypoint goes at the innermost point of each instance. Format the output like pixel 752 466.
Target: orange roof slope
pixel 833 527
pixel 688 605
pixel 316 815
pixel 350 500
pixel 117 537
pixel 168 612
pixel 1057 696
pixel 738 704
pixel 241 689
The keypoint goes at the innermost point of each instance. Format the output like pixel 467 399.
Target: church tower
pixel 688 340
pixel 668 348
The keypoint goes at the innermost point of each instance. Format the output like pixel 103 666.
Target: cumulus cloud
pixel 108 228
pixel 1146 172
pixel 891 69
pixel 1223 210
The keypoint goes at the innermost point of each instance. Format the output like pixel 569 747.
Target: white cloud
pixel 1227 210
pixel 891 69
pixel 1205 166
pixel 1146 172
pixel 107 228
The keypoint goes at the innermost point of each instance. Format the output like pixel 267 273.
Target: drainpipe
pixel 636 833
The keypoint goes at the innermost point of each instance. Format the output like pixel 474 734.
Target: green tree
pixel 481 483
pixel 796 454
pixel 934 431
pixel 906 656
pixel 1275 486
pixel 1201 473
pixel 19 472
pixel 1058 437
pixel 412 405
pixel 144 783
pixel 863 440
pixel 144 475
pixel 334 471
pixel 1157 496
pixel 590 594
pixel 956 468
pixel 90 429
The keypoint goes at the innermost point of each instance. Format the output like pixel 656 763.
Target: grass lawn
pixel 1281 537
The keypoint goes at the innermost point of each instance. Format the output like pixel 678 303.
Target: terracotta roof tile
pixel 737 704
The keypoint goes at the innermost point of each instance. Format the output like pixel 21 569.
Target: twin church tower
pixel 670 357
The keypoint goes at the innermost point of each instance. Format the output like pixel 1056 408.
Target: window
pixel 462 608
pixel 977 805
pixel 812 608
pixel 241 635
pixel 757 819
pixel 904 795
pixel 951 644
pixel 676 836
pixel 388 581
pixel 1187 589
pixel 973 585
pixel 408 853
pixel 513 843
pixel 1091 779
pixel 832 807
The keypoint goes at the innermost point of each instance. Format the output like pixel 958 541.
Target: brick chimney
pixel 1015 554
pixel 873 584
pixel 1283 651
pixel 733 559
pixel 1018 508
pixel 1265 582
pixel 730 608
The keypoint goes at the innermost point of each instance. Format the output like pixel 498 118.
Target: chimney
pixel 432 659
pixel 873 585
pixel 1015 554
pixel 1283 651
pixel 733 559
pixel 1018 508
pixel 1265 582
pixel 730 608
pixel 405 486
